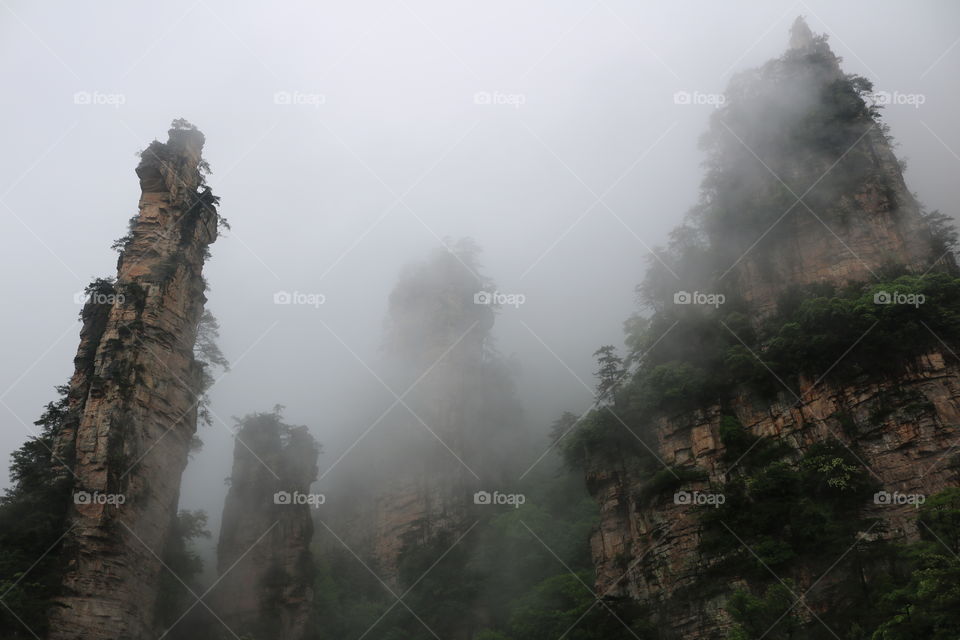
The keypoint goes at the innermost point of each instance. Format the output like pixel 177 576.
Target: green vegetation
pixel 788 510
pixel 707 357
pixel 207 354
pixel 32 523
pixel 773 615
pixel 669 479
pixel 182 567
pixel 878 591
pixel 500 582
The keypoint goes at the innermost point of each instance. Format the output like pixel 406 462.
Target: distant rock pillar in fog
pixel 263 556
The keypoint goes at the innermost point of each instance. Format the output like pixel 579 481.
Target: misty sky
pixel 579 161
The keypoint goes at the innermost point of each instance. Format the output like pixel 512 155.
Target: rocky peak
pixel 801 37
pixel 133 401
pixel 803 193
pixel 803 186
pixel 263 556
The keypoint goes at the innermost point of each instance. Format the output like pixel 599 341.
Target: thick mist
pixel 349 142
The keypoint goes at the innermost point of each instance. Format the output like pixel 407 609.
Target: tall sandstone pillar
pixel 263 555
pixel 133 401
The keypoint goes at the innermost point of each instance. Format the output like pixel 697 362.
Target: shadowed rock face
pixel 908 451
pixel 649 549
pixel 812 167
pixel 133 401
pixel 408 480
pixel 425 454
pixel 263 556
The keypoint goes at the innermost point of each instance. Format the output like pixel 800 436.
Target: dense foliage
pixel 519 574
pixel 877 590
pixel 179 584
pixel 32 524
pixel 820 333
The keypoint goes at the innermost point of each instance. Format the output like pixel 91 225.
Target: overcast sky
pixel 348 139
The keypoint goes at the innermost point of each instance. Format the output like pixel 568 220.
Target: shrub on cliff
pixel 32 524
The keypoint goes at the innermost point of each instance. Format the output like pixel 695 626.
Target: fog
pixel 349 140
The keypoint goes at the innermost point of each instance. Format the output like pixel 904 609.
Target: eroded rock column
pixel 133 401
pixel 263 557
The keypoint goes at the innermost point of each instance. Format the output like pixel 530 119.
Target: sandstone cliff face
pixel 133 401
pixel 413 476
pixel 881 227
pixel 649 551
pixel 402 486
pixel 821 164
pixel 416 505
pixel 263 556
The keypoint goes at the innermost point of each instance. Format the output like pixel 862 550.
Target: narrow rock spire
pixel 133 401
pixel 801 36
